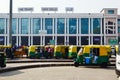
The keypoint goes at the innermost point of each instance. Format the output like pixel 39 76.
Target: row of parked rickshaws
pixel 11 52
pixel 51 51
pixel 88 54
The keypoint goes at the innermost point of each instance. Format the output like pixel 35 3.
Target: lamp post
pixel 10 23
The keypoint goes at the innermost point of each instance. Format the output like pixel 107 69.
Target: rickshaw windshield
pixel 80 52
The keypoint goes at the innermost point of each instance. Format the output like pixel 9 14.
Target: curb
pixel 37 61
pixel 2 70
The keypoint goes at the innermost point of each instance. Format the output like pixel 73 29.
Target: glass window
pixel 118 38
pixel 72 40
pixel 47 39
pixel 60 40
pixel 118 21
pixel 2 25
pixel 36 25
pixel 24 25
pixel 84 25
pixel 118 29
pixel 72 25
pixel 49 25
pixel 14 26
pixel 2 40
pixel 96 25
pixel 110 11
pixel 96 40
pixel 14 40
pixel 60 25
pixel 36 40
pixel 84 40
pixel 24 40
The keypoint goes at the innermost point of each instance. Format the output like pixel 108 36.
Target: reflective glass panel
pixel 118 29
pixel 72 40
pixel 14 26
pixel 36 25
pixel 96 40
pixel 2 40
pixel 110 11
pixel 36 40
pixel 118 21
pixel 60 40
pixel 47 39
pixel 84 40
pixel 84 25
pixel 60 25
pixel 96 25
pixel 49 25
pixel 24 25
pixel 14 40
pixel 24 40
pixel 2 25
pixel 72 25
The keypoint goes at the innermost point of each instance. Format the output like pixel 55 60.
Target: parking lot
pixel 62 73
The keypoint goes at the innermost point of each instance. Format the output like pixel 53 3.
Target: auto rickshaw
pixel 49 51
pixel 20 51
pixel 92 55
pixel 61 51
pixel 73 50
pixel 35 51
pixel 2 57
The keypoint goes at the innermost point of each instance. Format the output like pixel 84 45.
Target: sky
pixel 80 6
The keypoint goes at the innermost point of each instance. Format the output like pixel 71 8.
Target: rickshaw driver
pixel 80 52
pixel 94 55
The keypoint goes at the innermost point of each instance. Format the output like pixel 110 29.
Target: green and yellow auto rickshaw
pixel 61 51
pixel 35 51
pixel 73 50
pixel 49 51
pixel 92 55
pixel 2 56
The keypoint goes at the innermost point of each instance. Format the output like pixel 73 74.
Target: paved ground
pixel 61 73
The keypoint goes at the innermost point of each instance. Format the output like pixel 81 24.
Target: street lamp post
pixel 10 23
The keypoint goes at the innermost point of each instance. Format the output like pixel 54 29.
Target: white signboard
pixel 25 9
pixel 49 9
pixel 69 9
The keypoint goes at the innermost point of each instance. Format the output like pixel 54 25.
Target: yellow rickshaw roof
pixel 94 46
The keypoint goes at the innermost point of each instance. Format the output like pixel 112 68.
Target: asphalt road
pixel 62 73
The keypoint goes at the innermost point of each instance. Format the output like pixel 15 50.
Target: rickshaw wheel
pixel 76 64
pixel 3 66
pixel 104 65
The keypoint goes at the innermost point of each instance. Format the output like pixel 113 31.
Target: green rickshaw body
pixel 57 51
pixel 93 54
pixel 34 51
pixel 61 51
pixel 49 51
pixel 3 55
pixel 31 52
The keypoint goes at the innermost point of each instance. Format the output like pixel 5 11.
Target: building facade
pixel 61 28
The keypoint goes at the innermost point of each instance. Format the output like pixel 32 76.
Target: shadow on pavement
pixel 98 67
pixel 10 73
